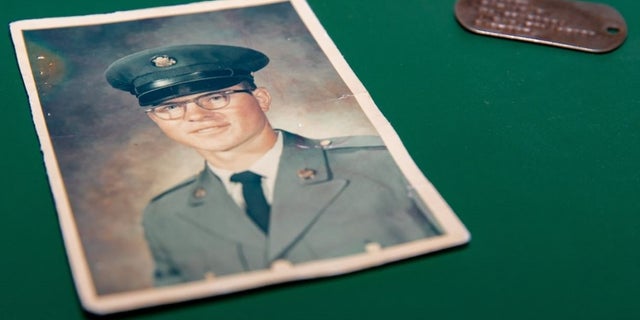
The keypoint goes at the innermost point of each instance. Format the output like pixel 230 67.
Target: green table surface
pixel 536 148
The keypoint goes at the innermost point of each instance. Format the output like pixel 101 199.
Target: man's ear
pixel 264 98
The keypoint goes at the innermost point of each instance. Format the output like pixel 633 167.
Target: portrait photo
pixel 204 149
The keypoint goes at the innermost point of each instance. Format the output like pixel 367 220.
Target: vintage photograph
pixel 220 146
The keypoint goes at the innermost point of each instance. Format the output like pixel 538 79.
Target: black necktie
pixel 257 206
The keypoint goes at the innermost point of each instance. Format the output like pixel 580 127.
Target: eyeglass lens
pixel 208 101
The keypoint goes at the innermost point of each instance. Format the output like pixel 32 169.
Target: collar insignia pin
pixel 306 174
pixel 199 193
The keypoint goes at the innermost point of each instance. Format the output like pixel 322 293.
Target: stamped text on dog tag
pixel 578 25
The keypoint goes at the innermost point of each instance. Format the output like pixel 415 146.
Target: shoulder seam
pixel 347 142
pixel 174 188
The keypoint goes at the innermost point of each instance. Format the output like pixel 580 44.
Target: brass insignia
pixel 199 193
pixel 306 174
pixel 163 61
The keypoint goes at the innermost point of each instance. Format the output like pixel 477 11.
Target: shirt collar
pixel 266 166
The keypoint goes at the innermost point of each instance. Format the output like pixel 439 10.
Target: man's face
pixel 236 127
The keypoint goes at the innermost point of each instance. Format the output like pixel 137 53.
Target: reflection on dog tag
pixel 578 25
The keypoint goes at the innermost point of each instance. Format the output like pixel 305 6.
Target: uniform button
pixel 281 264
pixel 325 143
pixel 372 247
pixel 209 276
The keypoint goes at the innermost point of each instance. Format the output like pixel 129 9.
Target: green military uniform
pixel 331 198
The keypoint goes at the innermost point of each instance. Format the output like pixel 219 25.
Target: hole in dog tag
pixel 577 25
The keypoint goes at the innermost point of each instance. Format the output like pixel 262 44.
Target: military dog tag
pixel 584 26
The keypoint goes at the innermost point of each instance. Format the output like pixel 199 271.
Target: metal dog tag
pixel 575 25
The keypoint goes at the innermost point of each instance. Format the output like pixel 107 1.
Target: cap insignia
pixel 163 61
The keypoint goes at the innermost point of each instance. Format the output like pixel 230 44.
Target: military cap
pixel 163 73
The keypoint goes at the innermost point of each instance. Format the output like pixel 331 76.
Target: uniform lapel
pixel 212 209
pixel 303 189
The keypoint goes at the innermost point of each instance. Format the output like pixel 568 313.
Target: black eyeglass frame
pixel 163 111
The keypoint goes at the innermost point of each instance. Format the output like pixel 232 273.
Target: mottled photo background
pixel 113 159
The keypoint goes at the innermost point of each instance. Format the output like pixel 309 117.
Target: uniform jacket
pixel 331 198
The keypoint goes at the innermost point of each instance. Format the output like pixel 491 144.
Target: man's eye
pixel 169 107
pixel 216 97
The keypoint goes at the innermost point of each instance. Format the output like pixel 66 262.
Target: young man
pixel 264 194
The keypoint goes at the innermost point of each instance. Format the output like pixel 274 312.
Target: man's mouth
pixel 210 129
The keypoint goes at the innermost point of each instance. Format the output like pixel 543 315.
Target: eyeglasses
pixel 208 101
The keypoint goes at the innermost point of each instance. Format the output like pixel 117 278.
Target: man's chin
pixel 209 148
